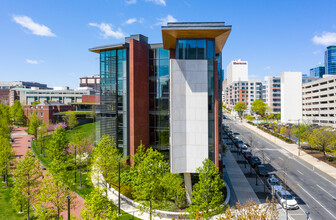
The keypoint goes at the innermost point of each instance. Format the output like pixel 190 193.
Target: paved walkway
pixel 21 142
pixel 293 148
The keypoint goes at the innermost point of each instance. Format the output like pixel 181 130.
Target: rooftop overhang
pixel 109 47
pixel 214 30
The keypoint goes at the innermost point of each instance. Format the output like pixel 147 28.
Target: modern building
pixel 317 71
pixel 91 82
pixel 330 60
pixel 21 84
pixel 46 111
pixel 237 71
pixel 58 94
pixel 166 95
pixel 319 104
pixel 291 96
pixel 272 93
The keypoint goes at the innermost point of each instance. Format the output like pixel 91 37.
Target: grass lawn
pixel 88 130
pixel 6 210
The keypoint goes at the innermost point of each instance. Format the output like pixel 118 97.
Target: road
pixel 315 191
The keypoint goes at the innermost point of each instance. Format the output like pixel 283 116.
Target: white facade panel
pixel 291 96
pixel 189 115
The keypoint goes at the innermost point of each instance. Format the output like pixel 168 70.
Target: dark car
pixel 254 160
pixel 247 145
pixel 261 170
pixel 247 154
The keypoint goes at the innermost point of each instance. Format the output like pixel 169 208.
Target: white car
pixel 273 184
pixel 286 200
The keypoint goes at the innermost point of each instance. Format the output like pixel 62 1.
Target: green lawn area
pixel 88 130
pixel 6 210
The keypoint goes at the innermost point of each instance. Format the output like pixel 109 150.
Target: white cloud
pixel 32 61
pixel 164 21
pixel 267 68
pixel 35 28
pixel 130 2
pixel 317 52
pixel 107 31
pixel 131 21
pixel 158 2
pixel 326 39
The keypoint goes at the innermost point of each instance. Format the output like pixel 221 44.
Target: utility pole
pixel 119 189
pixel 68 197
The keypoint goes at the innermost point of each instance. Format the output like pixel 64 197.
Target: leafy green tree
pixel 28 177
pixel 287 131
pixel 17 112
pixel 71 120
pixel 52 199
pixel 278 116
pixel 207 194
pixel 36 102
pixel 322 139
pixel 4 120
pixel 34 123
pixel 259 107
pixel 6 155
pixel 41 133
pixel 303 130
pixel 240 107
pixel 249 117
pixel 96 207
pixel 18 200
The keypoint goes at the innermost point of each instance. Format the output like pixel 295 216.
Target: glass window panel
pixel 151 68
pixel 210 49
pixel 152 86
pixel 191 47
pixel 182 49
pixel 164 137
pixel 151 53
pixel 201 47
pixel 102 55
pixel 164 54
pixel 164 68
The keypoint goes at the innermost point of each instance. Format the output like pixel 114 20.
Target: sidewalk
pixel 21 142
pixel 293 148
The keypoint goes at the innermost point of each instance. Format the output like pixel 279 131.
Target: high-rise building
pixel 330 60
pixel 166 95
pixel 237 70
pixel 272 93
pixel 317 71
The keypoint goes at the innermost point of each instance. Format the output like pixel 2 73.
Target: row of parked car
pixel 286 200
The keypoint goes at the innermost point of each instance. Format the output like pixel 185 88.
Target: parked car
pixel 286 200
pixel 29 146
pixel 247 145
pixel 12 139
pixel 247 154
pixel 261 170
pixel 255 161
pixel 240 143
pixel 236 133
pixel 273 183
pixel 243 148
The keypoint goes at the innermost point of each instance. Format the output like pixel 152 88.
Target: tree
pixel 240 107
pixel 34 123
pixel 71 120
pixel 270 117
pixel 4 120
pixel 79 148
pixel 18 200
pixel 303 130
pixel 17 112
pixel 207 194
pixel 286 131
pixel 252 210
pixel 52 198
pixel 259 107
pixel 6 155
pixel 278 116
pixel 41 133
pixel 322 139
pixel 28 177
pixel 249 117
pixel 96 207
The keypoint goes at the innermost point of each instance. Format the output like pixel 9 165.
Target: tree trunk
pixel 80 179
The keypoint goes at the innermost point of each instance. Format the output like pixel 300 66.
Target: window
pixel 41 114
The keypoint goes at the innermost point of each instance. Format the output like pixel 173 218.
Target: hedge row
pixel 276 135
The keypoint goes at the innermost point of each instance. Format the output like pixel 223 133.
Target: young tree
pixel 16 112
pixel 208 192
pixel 53 197
pixel 70 120
pixel 34 123
pixel 249 117
pixel 259 107
pixel 286 131
pixel 28 177
pixel 57 145
pixel 41 133
pixel 18 200
pixel 97 208
pixel 240 107
pixel 323 139
pixel 6 155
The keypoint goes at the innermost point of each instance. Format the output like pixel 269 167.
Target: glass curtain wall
pixel 159 100
pixel 330 60
pixel 113 98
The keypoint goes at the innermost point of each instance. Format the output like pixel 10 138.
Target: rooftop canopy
pixel 195 30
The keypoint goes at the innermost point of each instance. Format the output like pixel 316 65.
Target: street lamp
pixel 307 214
pixel 68 197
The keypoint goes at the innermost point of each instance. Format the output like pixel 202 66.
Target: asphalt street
pixel 314 190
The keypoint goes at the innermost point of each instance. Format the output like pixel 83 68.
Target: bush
pixel 275 134
pixel 330 159
pixel 251 123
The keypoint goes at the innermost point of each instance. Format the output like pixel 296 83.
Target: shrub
pixel 330 159
pixel 276 135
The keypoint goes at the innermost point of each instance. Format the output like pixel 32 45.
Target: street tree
pixel 28 177
pixel 71 120
pixel 41 133
pixel 57 145
pixel 208 197
pixel 6 156
pixel 18 199
pixel 16 112
pixel 287 131
pixel 34 123
pixel 303 130
pixel 240 107
pixel 249 117
pixel 322 139
pixel 259 107
pixel 96 207
pixel 52 199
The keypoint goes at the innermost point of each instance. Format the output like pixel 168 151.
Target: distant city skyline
pixel 51 46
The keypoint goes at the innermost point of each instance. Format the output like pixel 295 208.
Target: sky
pixel 47 41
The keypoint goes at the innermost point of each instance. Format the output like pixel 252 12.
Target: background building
pixel 237 71
pixel 319 104
pixel 291 96
pixel 272 93
pixel 317 71
pixel 330 60
pixel 21 84
pixel 91 82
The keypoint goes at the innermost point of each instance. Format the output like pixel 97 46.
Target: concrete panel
pixel 189 115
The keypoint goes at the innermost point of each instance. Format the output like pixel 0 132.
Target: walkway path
pixel 21 142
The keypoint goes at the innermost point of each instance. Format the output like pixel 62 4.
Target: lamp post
pixel 307 214
pixel 119 189
pixel 68 197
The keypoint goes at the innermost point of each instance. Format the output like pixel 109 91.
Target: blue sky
pixel 48 40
